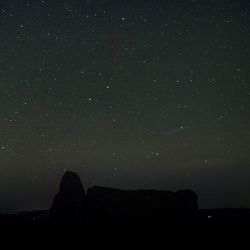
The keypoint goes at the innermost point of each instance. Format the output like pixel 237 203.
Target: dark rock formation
pixel 141 207
pixel 107 206
pixel 69 205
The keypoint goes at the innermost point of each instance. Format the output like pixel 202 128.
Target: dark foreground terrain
pixel 106 218
pixel 32 230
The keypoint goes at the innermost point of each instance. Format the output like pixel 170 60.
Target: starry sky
pixel 129 94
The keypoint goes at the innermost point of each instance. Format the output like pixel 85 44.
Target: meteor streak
pixel 176 130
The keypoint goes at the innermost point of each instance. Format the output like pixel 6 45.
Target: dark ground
pixel 215 227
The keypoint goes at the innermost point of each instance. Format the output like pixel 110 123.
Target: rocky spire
pixel 69 205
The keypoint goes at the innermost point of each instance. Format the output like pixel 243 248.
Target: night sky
pixel 129 94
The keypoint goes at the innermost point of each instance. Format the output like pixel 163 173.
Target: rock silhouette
pixel 122 219
pixel 108 206
pixel 142 207
pixel 69 205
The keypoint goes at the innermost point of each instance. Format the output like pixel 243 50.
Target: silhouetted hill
pixel 108 206
pixel 141 207
pixel 116 219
